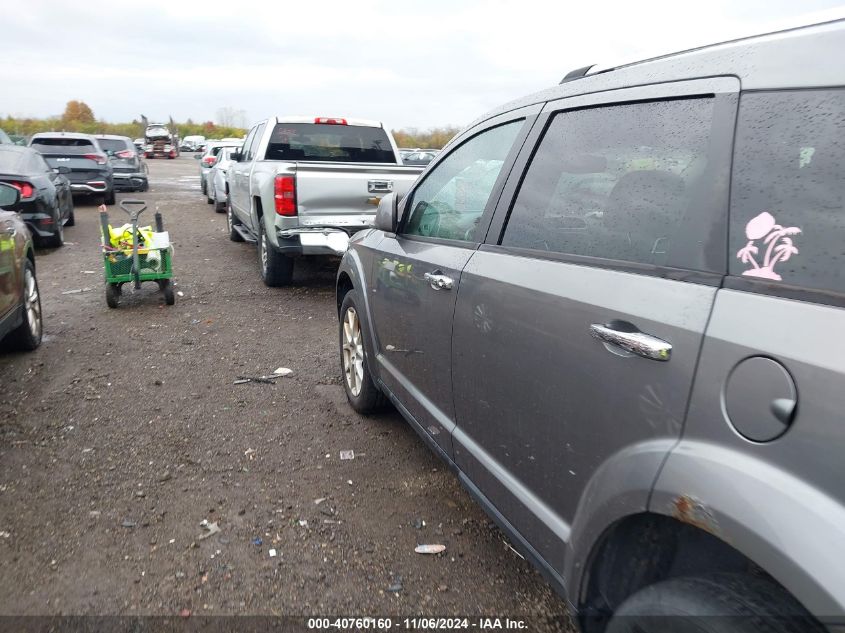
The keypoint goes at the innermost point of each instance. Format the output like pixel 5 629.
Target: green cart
pixel 141 262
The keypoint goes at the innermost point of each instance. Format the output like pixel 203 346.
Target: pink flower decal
pixel 760 226
pixel 780 247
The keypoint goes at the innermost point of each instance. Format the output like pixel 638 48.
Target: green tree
pixel 434 138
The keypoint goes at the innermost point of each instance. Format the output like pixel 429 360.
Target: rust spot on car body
pixel 692 511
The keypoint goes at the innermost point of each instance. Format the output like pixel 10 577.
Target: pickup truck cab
pixel 302 185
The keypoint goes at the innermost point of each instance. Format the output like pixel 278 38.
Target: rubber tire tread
pixel 279 267
pixel 747 604
pixel 233 234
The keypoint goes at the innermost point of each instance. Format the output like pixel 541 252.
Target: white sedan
pixel 217 193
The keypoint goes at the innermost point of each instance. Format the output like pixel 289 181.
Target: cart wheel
pixel 112 294
pixel 167 289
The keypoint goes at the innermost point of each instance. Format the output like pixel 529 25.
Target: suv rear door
pixel 416 273
pixel 613 227
pixel 767 409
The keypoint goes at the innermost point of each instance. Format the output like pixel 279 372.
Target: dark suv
pixel 90 169
pixel 130 169
pixel 615 308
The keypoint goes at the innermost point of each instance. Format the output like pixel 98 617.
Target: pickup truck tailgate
pixel 347 195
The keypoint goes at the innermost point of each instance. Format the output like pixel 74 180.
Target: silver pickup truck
pixel 303 185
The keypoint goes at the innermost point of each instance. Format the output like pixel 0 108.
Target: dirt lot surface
pixel 124 432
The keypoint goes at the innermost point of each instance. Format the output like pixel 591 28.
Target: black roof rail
pixel 577 73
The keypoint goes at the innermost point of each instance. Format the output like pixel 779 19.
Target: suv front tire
pixel 358 383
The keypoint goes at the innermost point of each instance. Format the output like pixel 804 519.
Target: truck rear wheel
pixel 234 234
pixel 276 269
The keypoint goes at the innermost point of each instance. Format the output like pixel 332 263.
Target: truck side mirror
pixel 387 215
pixel 236 156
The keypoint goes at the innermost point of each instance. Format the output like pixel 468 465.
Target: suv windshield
pixel 330 143
pixel 67 145
pixel 114 145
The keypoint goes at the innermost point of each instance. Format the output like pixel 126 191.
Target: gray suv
pixel 130 170
pixel 615 309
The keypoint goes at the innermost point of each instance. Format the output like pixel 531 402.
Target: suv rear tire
pixel 354 359
pixel 276 269
pixel 57 239
pixel 716 603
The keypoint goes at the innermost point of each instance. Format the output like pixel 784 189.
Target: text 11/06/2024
pixel 418 623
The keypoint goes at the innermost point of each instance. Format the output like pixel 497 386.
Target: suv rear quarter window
pixel 113 145
pixel 787 222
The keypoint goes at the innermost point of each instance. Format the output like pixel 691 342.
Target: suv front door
pixel 416 272
pixel 579 322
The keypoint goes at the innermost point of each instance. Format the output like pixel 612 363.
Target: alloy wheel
pixel 353 352
pixel 263 248
pixel 32 303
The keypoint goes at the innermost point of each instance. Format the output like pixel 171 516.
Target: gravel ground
pixel 124 432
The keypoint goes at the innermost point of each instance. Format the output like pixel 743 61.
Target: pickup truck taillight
pixel 325 120
pixel 284 194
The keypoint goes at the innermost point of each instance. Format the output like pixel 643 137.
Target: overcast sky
pixel 410 64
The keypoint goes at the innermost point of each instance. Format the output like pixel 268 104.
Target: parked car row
pixel 208 157
pixel 45 204
pixel 56 166
pixel 614 308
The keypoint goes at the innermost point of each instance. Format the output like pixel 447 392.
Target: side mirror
pixel 197 156
pixel 9 196
pixel 236 156
pixel 62 169
pixel 387 215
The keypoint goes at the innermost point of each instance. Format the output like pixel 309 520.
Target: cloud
pixel 408 64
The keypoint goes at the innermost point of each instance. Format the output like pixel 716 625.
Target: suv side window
pixel 617 182
pixel 788 191
pixel 451 200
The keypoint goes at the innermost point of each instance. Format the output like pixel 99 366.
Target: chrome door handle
pixel 439 281
pixel 638 343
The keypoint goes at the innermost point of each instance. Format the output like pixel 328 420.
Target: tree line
pixel 78 117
